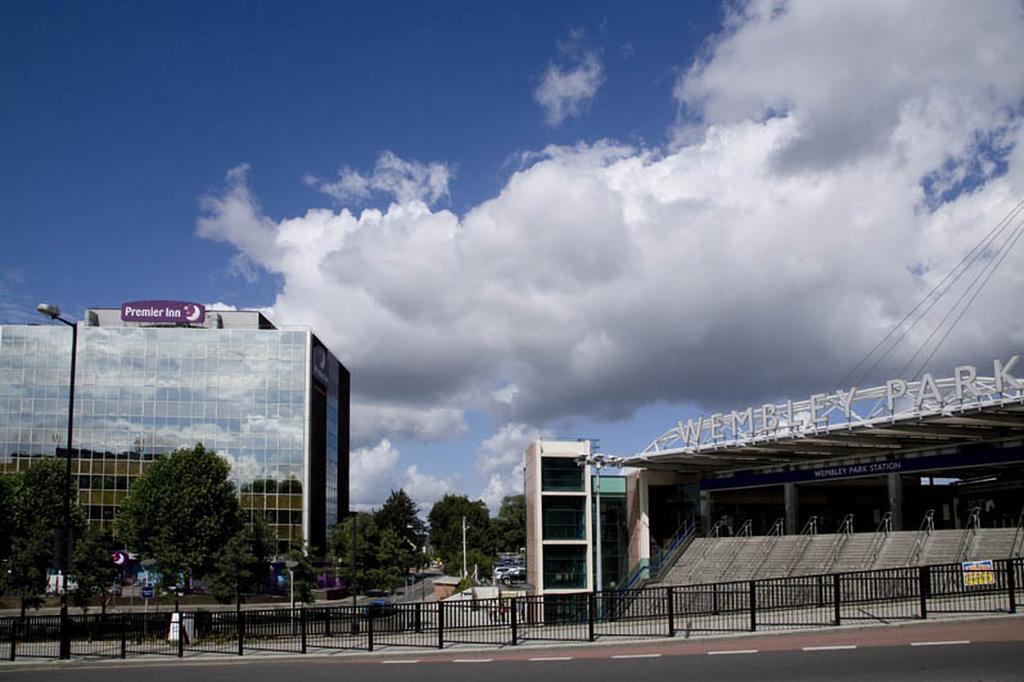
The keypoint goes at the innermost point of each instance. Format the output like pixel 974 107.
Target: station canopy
pixel 885 421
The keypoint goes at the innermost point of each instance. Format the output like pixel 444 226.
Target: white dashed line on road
pixel 637 656
pixel 472 660
pixel 732 651
pixel 400 662
pixel 552 658
pixel 833 647
pixel 950 642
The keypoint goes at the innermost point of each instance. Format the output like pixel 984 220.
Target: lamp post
pixel 598 461
pixel 463 547
pixel 53 312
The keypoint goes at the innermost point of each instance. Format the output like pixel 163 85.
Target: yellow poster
pixel 978 573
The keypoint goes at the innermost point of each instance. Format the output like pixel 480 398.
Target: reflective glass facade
pixel 247 393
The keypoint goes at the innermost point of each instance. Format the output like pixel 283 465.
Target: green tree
pixel 510 524
pixel 243 565
pixel 93 569
pixel 367 540
pixel 446 533
pixel 35 500
pixel 6 516
pixel 182 511
pixel 401 515
pixel 392 560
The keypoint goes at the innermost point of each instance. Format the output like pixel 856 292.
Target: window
pixel 563 518
pixel 561 473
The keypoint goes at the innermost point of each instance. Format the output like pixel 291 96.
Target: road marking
pixel 552 658
pixel 732 651
pixel 637 656
pixel 472 660
pixel 834 647
pixel 951 641
pixel 402 661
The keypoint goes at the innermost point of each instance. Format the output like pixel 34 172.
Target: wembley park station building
pixel 155 376
pixel 938 454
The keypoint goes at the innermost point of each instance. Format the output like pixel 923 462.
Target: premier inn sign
pixel 163 312
pixel 898 399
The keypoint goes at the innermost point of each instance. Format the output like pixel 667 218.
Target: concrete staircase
pixel 710 560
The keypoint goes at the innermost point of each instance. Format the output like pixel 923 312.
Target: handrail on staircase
pixel 970 532
pixel 652 569
pixel 809 530
pixel 843 534
pixel 777 530
pixel 1017 548
pixel 745 531
pixel 681 539
pixel 924 532
pixel 882 531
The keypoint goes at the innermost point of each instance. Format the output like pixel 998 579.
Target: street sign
pixel 147 592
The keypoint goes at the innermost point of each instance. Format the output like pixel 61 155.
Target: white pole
pixel 597 526
pixel 464 572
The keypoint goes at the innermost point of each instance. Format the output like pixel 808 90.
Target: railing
pixel 1017 548
pixel 842 535
pixel 882 531
pixel 983 587
pixel 664 559
pixel 924 533
pixel 745 531
pixel 705 550
pixel 769 543
pixel 810 529
pixel 654 569
pixel 969 534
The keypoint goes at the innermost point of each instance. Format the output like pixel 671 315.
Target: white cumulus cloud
pixel 831 163
pixel 566 89
pixel 398 178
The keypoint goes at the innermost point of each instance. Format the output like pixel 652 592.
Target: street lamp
pixel 53 312
pixel 598 461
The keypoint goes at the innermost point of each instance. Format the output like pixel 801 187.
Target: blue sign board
pixel 147 592
pixel 967 457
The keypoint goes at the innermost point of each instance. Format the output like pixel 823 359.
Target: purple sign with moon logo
pixel 163 312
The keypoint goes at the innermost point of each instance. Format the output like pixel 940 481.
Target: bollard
pixel 514 615
pixel 924 586
pixel 240 625
pixel 669 592
pixel 440 625
pixel 591 605
pixel 837 597
pixel 369 628
pixel 181 631
pixel 14 637
pixel 753 606
pixel 1011 585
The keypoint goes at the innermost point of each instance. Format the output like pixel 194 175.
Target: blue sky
pixel 580 219
pixel 118 116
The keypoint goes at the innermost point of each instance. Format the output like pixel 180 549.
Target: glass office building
pixel 273 402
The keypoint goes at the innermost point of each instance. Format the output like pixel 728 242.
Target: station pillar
pixel 705 512
pixel 792 502
pixel 894 483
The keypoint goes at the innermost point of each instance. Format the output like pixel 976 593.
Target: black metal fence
pixel 881 595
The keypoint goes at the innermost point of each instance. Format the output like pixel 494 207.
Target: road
pixel 990 649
